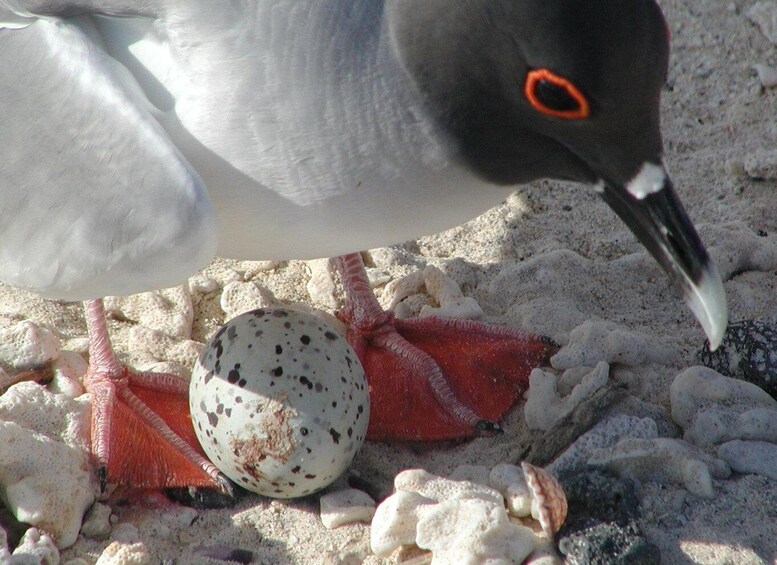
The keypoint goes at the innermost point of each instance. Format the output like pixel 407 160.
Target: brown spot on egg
pixel 275 439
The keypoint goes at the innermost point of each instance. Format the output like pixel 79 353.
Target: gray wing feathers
pixel 66 8
pixel 94 198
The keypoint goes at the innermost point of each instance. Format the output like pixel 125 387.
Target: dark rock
pixel 606 543
pixel 748 352
pixel 601 525
pixel 598 493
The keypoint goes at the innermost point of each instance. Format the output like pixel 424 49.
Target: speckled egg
pixel 749 352
pixel 279 402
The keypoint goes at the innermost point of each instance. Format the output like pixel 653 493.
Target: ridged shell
pixel 551 502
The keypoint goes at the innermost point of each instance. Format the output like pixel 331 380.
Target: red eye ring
pixel 537 77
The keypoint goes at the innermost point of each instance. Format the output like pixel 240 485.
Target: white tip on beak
pixel 707 300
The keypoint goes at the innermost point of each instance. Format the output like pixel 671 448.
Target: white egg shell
pixel 279 402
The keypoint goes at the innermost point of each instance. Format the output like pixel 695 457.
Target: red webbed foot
pixel 435 378
pixel 142 435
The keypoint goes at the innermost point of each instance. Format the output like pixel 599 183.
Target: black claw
pixel 226 486
pixel 102 476
pixel 487 427
pixel 228 554
pixel 204 498
pixel 548 341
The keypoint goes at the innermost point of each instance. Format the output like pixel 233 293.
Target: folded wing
pixel 94 198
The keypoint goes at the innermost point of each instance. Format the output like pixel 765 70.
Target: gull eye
pixel 554 95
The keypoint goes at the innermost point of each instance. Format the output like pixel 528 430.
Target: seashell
pixel 549 500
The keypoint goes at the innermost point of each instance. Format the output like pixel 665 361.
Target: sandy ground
pixel 717 115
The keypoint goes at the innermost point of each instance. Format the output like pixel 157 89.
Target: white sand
pixel 716 116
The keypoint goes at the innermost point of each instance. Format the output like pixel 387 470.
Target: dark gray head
pixel 565 89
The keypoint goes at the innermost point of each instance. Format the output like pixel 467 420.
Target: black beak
pixel 650 207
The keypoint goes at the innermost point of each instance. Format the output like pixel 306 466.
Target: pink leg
pixel 132 443
pixel 434 378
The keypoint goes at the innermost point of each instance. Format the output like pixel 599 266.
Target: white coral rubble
pixel 606 433
pixel 473 531
pixel 36 548
pixel 631 447
pixel 119 553
pixel 757 457
pixel 239 297
pixel 346 506
pixel 45 475
pixel 737 416
pixel 667 458
pixel 595 341
pixel 545 405
pixel 26 345
pixel 464 521
pixel 125 547
pixel 510 481
pixel 169 310
pixel 442 288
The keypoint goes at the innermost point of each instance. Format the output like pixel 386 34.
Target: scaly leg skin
pixel 434 378
pixel 142 436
